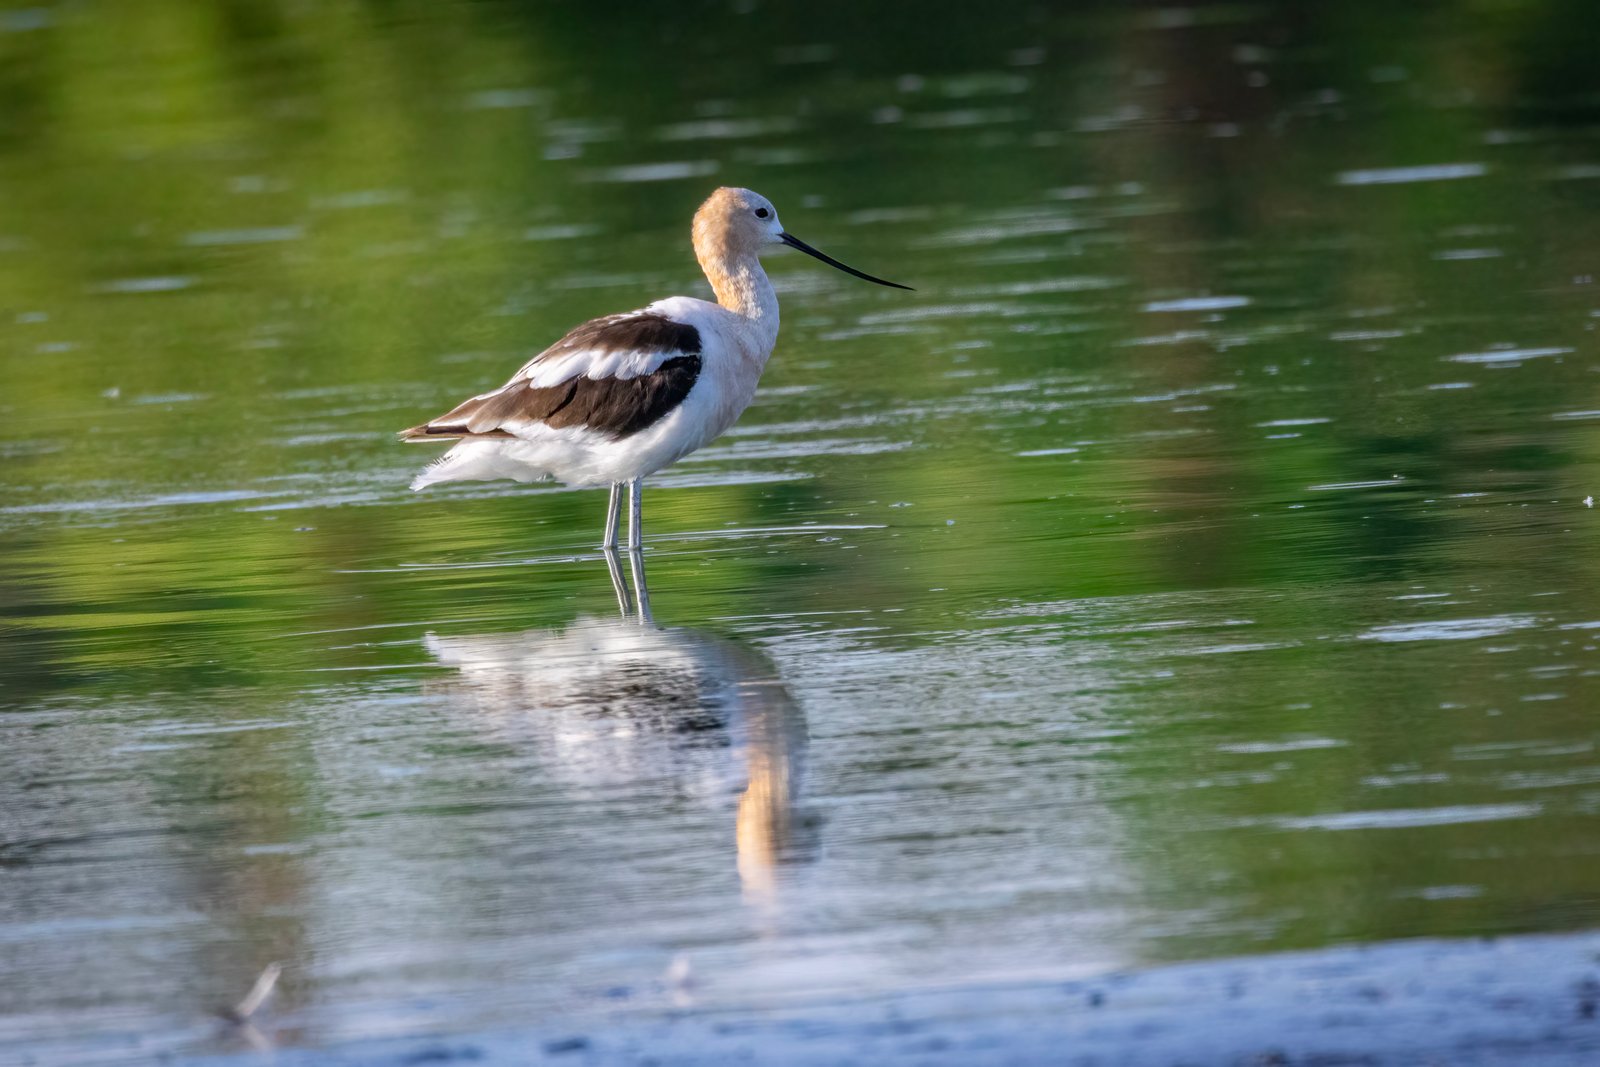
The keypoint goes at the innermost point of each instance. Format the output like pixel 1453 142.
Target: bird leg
pixel 636 547
pixel 641 591
pixel 635 515
pixel 613 513
pixel 619 586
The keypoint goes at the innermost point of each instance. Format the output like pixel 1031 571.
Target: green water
pixel 1197 564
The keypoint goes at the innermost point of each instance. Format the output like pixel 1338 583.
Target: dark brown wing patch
pixel 617 407
pixel 627 333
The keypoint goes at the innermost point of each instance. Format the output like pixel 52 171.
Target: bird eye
pixel 762 212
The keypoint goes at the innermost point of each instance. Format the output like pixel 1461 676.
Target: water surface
pixel 1197 564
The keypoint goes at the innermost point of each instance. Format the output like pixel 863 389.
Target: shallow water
pixel 1197 564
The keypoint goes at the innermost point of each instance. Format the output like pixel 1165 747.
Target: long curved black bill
pixel 794 242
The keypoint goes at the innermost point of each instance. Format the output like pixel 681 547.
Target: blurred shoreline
pixel 1525 1000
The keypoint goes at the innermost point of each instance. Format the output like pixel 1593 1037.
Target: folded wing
pixel 614 376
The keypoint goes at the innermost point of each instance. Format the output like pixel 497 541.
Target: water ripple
pixel 1403 818
pixel 1451 629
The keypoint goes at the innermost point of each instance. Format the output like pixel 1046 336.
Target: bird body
pixel 618 398
pixel 623 396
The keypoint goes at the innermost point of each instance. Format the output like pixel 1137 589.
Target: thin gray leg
pixel 641 591
pixel 613 513
pixel 636 515
pixel 618 585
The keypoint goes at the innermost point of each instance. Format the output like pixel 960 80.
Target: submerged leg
pixel 641 592
pixel 613 513
pixel 618 585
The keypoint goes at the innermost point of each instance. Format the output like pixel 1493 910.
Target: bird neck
pixel 742 287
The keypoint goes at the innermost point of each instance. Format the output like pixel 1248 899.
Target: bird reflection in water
pixel 605 702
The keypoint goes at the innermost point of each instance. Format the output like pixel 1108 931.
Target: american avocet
pixel 620 397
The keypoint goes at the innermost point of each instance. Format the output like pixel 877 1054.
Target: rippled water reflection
pixel 1198 564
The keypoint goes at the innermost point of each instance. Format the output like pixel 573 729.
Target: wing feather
pixel 616 346
pixel 615 375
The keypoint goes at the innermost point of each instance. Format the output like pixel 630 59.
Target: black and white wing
pixel 615 376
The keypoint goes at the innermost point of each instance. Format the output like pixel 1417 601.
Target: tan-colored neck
pixel 735 272
pixel 742 287
pixel 727 254
pixel 739 283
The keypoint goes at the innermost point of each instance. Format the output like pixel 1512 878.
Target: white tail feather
pixel 475 461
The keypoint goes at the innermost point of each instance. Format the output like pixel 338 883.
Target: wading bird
pixel 622 396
